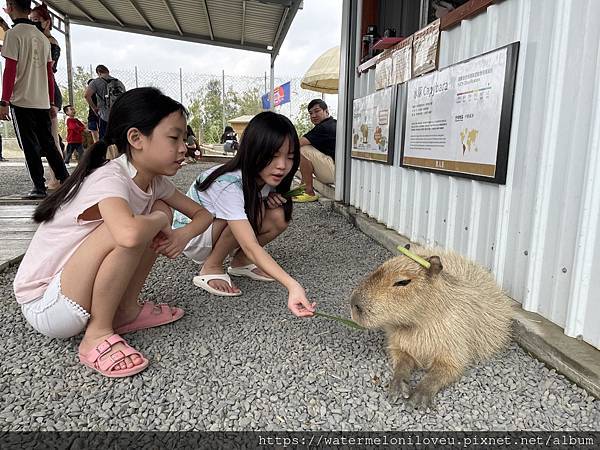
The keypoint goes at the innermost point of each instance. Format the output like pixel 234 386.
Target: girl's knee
pixel 276 219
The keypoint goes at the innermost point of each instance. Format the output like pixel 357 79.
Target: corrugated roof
pixel 256 25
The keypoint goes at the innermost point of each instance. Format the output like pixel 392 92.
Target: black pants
pixel 73 148
pixel 34 134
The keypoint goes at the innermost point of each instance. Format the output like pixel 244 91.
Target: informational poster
pixel 372 123
pixel 425 49
pixel 458 119
pixel 384 75
pixel 402 61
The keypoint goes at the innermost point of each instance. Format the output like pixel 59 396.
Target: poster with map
pixel 372 124
pixel 458 118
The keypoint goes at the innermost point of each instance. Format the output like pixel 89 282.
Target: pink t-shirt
pixel 55 241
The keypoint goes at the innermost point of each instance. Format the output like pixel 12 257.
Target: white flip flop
pixel 246 271
pixel 202 282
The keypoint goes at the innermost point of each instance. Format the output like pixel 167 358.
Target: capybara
pixel 441 319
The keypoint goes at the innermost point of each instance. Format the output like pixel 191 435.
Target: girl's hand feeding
pixel 299 304
pixel 275 200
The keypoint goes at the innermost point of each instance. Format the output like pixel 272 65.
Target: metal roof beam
pixel 169 34
pixel 112 13
pixel 286 11
pixel 146 21
pixel 175 21
pixel 81 8
pixel 210 27
pixel 243 21
pixel 287 22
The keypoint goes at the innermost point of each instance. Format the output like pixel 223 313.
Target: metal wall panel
pixel 538 233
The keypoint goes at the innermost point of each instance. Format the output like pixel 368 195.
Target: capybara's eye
pixel 401 283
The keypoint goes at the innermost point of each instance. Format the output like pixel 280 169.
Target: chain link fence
pixel 193 90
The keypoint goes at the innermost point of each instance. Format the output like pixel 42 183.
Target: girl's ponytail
pixel 140 108
pixel 93 158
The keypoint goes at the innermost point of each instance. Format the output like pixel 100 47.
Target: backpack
pixel 114 89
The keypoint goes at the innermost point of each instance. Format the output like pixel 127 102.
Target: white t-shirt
pixel 31 49
pixel 224 198
pixel 55 241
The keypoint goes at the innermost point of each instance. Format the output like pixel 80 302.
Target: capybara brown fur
pixel 442 319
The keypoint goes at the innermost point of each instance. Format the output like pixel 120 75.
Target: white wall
pixel 539 232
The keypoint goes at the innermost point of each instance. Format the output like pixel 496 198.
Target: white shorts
pixel 55 315
pixel 200 247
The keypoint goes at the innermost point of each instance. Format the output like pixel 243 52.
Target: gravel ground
pixel 247 364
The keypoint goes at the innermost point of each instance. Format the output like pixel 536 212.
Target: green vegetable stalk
pixel 298 190
pixel 348 323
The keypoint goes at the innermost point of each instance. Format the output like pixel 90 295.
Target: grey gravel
pixel 247 363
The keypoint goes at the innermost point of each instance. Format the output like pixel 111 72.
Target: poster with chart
pixel 458 118
pixel 372 123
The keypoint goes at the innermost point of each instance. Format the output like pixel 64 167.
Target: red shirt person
pixel 75 129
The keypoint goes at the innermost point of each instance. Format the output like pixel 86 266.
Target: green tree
pixel 302 121
pixel 206 109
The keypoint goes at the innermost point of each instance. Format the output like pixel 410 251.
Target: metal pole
pixel 69 58
pixel 271 106
pixel 91 72
pixel 266 88
pixel 180 86
pixel 348 56
pixel 223 97
pixel 136 77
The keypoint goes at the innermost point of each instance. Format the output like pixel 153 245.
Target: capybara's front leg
pixel 403 365
pixel 440 375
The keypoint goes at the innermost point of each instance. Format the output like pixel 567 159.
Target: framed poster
pixel 458 119
pixel 425 49
pixel 373 120
pixel 402 61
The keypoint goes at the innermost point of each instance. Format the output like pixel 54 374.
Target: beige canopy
pixel 324 73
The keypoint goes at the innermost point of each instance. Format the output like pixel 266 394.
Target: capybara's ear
pixel 436 265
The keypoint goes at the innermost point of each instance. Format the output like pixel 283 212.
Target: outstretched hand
pixel 299 304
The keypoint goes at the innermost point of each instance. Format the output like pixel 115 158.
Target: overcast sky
pixel 316 28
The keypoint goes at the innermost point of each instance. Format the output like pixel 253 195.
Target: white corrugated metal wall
pixel 539 232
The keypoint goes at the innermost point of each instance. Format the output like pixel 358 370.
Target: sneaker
pixel 35 194
pixel 305 198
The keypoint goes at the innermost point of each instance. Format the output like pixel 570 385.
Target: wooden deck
pixel 16 230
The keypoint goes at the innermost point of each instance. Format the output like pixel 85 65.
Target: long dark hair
pixel 263 136
pixel 141 108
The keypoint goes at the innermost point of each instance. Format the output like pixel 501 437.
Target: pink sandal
pixel 151 315
pixel 105 366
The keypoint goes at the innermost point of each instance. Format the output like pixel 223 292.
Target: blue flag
pixel 281 95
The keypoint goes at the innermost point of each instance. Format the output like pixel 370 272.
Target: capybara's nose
pixel 355 303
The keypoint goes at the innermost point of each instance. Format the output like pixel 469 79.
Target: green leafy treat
pixel 348 323
pixel 298 190
pixel 414 257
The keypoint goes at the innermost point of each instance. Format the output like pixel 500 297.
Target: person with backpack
pixel 106 89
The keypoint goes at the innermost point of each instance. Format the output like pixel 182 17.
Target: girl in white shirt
pixel 244 197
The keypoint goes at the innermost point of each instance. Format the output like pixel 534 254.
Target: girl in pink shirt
pixel 101 231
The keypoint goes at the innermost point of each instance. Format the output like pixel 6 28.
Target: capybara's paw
pixel 420 399
pixel 399 388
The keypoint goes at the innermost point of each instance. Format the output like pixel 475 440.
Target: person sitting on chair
pixel 317 150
